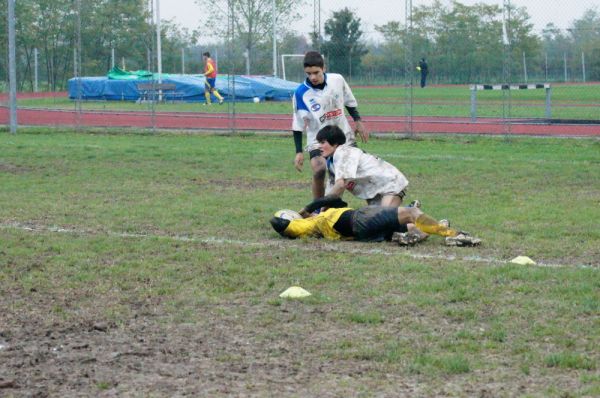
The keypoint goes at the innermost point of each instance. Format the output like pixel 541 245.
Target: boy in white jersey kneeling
pixel 366 176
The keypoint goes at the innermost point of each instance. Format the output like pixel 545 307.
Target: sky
pixel 378 12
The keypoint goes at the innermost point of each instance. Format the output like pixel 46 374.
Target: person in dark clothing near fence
pixel 424 71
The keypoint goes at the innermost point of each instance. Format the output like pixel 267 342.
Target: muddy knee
pixel 319 174
pixel 408 214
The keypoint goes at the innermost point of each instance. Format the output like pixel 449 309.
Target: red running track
pixel 278 122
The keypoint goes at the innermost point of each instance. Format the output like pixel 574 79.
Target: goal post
pixel 283 57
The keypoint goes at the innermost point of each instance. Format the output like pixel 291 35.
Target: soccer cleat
pixel 415 203
pixel 445 223
pixel 221 101
pixel 406 238
pixel 462 239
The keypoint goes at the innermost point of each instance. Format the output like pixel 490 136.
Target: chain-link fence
pixel 414 66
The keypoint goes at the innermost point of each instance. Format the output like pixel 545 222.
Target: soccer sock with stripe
pixel 431 226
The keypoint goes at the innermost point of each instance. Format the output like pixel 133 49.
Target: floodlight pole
pixel 408 64
pixel 317 24
pixel 274 40
pixel 183 61
pixel 507 65
pixel 77 62
pixel 158 47
pixel 12 69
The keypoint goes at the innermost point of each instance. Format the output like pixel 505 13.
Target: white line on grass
pixel 30 227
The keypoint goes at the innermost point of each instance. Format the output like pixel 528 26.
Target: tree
pixel 121 25
pixel 252 20
pixel 342 47
pixel 174 39
pixel 462 43
pixel 555 45
pixel 54 27
pixel 389 60
pixel 585 33
pixel 51 26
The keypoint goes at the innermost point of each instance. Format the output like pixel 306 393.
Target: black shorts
pixel 376 223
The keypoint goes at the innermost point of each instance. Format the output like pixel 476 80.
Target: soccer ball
pixel 287 214
pixel 256 100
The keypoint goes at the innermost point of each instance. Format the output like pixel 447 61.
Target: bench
pixel 156 91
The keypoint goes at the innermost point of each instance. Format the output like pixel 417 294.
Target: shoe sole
pixel 405 239
pixel 462 240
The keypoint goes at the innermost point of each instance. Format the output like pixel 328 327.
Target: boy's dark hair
pixel 206 54
pixel 313 58
pixel 332 134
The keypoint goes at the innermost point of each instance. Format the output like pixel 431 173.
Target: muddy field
pixel 230 351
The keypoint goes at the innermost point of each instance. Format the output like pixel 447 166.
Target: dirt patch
pixel 14 169
pixel 228 351
pixel 245 344
pixel 251 184
pixel 220 356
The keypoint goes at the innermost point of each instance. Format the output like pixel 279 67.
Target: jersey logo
pixel 315 107
pixel 331 115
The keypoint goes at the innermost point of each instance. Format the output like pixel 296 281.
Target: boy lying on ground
pixel 404 225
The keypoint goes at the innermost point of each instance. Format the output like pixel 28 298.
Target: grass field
pixel 144 265
pixel 568 102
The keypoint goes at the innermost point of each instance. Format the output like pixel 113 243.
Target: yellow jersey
pixel 320 225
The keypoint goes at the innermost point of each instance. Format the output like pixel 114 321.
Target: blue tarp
pixel 189 88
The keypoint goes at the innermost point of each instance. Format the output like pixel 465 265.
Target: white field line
pixel 511 160
pixel 332 247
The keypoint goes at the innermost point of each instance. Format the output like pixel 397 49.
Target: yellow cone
pixel 522 260
pixel 294 292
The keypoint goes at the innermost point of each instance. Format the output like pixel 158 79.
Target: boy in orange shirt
pixel 210 73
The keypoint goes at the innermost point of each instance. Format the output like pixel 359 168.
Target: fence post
pixel 75 63
pixel 473 103
pixel 35 67
pixel 583 65
pixel 524 67
pixel 12 67
pixel 565 65
pixel 548 102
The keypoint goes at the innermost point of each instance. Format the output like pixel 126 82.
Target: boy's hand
pixel 299 161
pixel 361 131
pixel 304 213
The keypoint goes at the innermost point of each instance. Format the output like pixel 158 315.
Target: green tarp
pixel 117 73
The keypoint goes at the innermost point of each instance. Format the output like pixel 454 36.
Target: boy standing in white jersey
pixel 319 102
